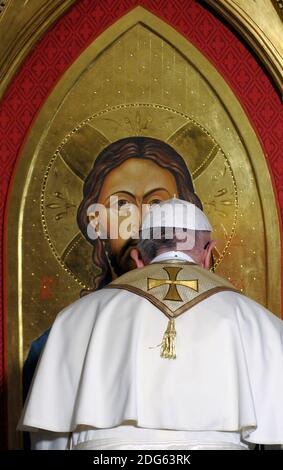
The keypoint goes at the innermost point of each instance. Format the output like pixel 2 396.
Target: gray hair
pixel 156 241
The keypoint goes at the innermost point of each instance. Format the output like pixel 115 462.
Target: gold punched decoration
pixel 196 145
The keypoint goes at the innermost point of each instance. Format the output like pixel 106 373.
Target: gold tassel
pixel 168 345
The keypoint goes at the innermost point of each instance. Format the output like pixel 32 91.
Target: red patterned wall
pixel 82 24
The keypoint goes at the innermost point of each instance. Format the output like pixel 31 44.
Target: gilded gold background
pixel 139 85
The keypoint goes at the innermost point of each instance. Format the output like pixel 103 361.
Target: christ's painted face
pixel 136 181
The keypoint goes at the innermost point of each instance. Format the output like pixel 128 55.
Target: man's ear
pixel 207 256
pixel 135 255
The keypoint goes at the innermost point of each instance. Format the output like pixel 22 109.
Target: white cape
pixel 100 368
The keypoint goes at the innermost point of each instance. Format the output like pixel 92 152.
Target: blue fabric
pixel 28 371
pixel 31 361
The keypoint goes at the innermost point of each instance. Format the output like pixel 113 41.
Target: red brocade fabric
pixel 70 35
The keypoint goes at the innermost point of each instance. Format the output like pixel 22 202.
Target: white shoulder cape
pixel 100 367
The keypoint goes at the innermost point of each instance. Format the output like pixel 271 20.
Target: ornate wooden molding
pixel 262 27
pixel 23 22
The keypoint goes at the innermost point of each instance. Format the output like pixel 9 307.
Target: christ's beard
pixel 122 261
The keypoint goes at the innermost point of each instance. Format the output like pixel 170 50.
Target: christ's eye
pixel 154 201
pixel 122 203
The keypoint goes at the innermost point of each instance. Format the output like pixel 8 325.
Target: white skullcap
pixel 176 213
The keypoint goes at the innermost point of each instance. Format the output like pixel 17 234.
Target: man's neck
pixel 178 255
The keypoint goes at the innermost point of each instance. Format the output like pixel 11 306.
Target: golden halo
pixel 64 176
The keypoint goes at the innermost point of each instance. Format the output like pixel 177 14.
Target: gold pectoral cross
pixel 172 293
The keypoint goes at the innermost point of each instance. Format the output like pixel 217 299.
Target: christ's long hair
pixel 111 157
